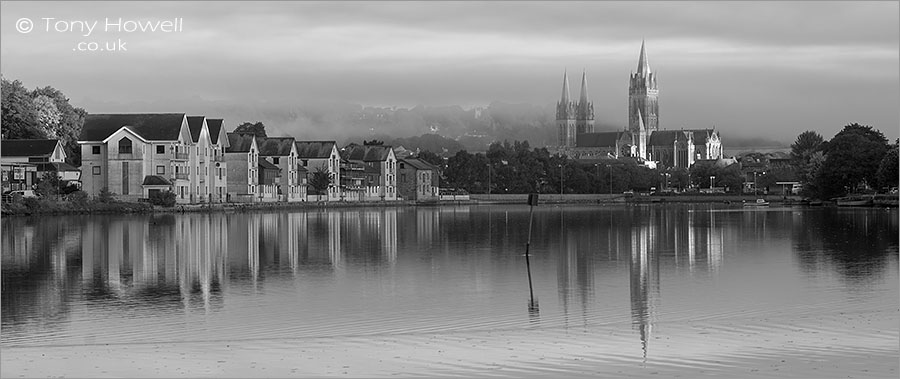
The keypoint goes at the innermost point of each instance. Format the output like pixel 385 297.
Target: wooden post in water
pixel 532 201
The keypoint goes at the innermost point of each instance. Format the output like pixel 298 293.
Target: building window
pixel 95 150
pixel 125 146
pixel 160 149
pixel 160 170
pixel 95 170
pixel 275 160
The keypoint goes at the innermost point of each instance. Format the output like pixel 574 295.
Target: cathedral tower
pixel 584 118
pixel 565 117
pixel 643 107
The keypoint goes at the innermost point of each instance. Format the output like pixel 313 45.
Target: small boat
pixel 757 203
pixel 854 201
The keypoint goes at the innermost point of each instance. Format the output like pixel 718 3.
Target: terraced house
pixel 282 153
pixel 135 155
pixel 316 155
pixel 378 158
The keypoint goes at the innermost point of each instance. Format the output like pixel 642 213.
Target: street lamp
pixel 597 165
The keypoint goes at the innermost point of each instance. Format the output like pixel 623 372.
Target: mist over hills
pixel 474 128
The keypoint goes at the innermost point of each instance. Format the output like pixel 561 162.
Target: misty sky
pixel 767 69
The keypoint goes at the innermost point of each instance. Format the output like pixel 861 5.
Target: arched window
pixel 124 146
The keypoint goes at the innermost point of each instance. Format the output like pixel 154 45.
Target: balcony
pixel 181 176
pixel 219 158
pixel 181 156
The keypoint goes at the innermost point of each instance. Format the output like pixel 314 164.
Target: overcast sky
pixel 769 69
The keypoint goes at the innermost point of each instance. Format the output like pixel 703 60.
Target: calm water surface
pixel 663 290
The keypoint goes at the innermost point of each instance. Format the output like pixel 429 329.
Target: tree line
pixel 857 159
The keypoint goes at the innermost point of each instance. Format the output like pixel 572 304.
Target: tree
pixel 49 184
pixel 69 124
pixel 807 144
pixel 320 180
pixel 887 173
pixel 256 129
pixel 19 118
pixel 851 160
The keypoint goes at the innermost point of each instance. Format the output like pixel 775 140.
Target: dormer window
pixel 125 146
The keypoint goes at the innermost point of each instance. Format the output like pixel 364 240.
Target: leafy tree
pixel 49 184
pixel 256 129
pixel 19 119
pixel 373 142
pixel 807 144
pixel 70 121
pixel 851 159
pixel 887 173
pixel 320 180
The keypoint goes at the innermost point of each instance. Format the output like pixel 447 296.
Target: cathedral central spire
pixel 584 90
pixel 565 89
pixel 643 67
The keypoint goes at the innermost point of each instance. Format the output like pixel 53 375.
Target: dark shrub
pixel 164 199
pixel 105 196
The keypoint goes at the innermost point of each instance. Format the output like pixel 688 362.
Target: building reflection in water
pixel 654 239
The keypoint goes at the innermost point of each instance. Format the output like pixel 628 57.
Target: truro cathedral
pixel 642 140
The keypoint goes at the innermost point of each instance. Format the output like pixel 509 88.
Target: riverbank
pixel 51 207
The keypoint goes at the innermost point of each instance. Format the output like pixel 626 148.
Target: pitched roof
pixel 265 165
pixel 239 143
pixel 314 149
pixel 215 127
pixel 666 137
pixel 150 126
pixel 603 139
pixel 156 180
pixel 701 135
pixel 275 146
pixel 419 164
pixel 27 147
pixel 367 153
pixel 195 124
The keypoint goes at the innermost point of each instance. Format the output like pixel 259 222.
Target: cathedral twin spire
pixel 568 109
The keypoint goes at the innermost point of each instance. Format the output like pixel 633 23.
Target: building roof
pixel 603 139
pixel 666 137
pixel 215 127
pixel 195 124
pixel 314 149
pixel 265 165
pixel 27 147
pixel 239 143
pixel 275 146
pixel 419 164
pixel 367 153
pixel 150 126
pixel 701 135
pixel 156 180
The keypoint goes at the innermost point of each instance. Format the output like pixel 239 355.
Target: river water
pixel 622 291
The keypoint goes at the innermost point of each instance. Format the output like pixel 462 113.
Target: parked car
pixel 9 195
